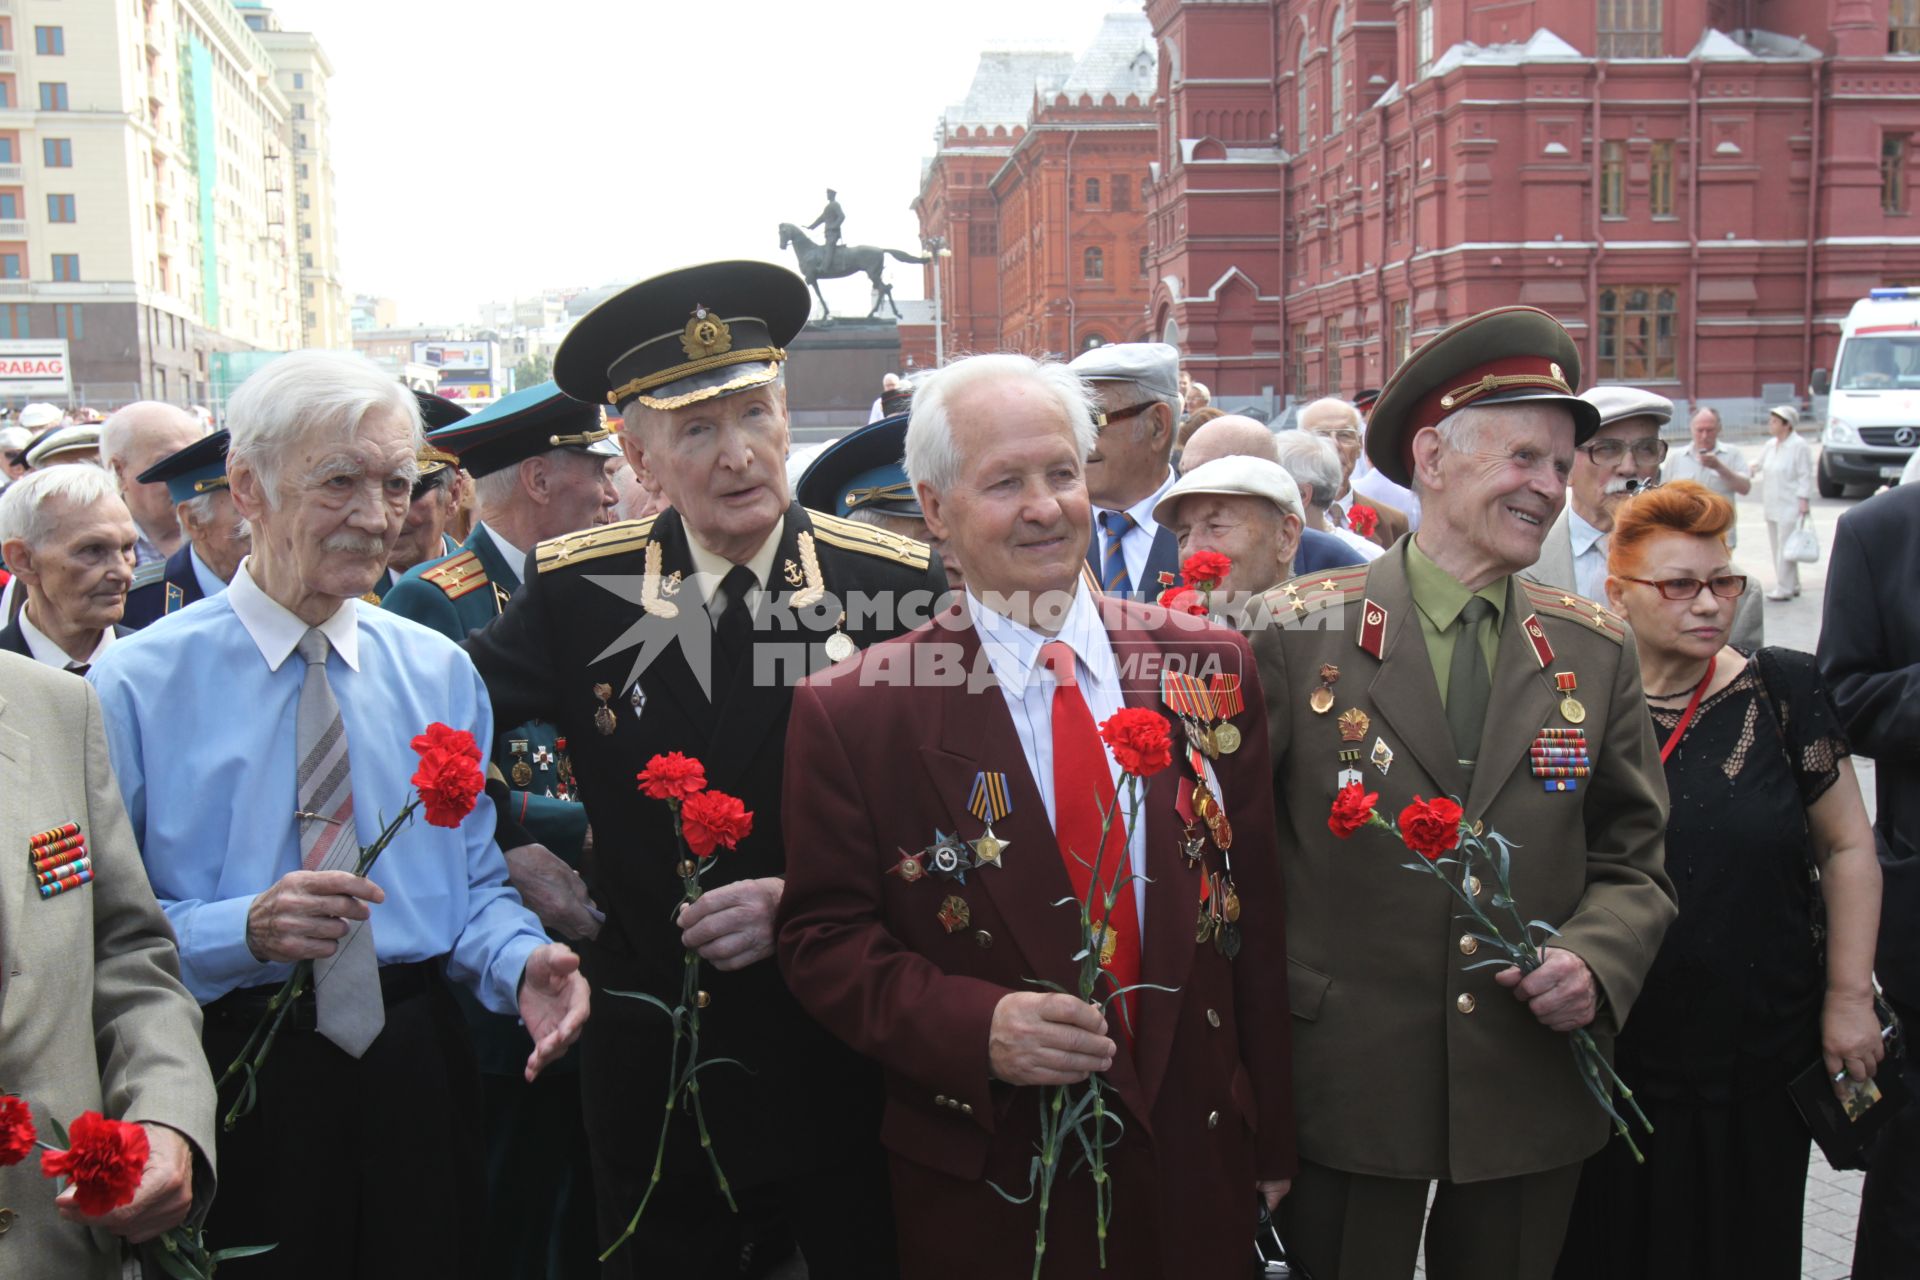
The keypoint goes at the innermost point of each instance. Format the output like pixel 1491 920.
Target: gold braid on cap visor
pixel 899 492
pixel 767 355
pixel 1461 396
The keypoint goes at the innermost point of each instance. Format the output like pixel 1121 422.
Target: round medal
pixel 1226 737
pixel 1571 711
pixel 1321 700
pixel 522 774
pixel 840 647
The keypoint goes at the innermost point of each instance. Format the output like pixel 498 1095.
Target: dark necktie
pixel 1468 684
pixel 80 668
pixel 732 624
pixel 1113 564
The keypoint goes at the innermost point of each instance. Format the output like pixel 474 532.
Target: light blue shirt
pixel 200 719
pixel 210 584
pixel 1589 556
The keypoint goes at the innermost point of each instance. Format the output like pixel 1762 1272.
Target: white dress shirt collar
pixel 45 650
pixel 516 558
pixel 276 631
pixel 1584 535
pixel 711 568
pixel 210 584
pixel 1013 648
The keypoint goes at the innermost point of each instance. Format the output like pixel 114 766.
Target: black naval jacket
pixel 562 641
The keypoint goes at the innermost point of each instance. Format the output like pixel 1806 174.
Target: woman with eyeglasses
pixel 1754 982
pixel 1785 466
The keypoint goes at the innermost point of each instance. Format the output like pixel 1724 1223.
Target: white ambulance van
pixel 1873 403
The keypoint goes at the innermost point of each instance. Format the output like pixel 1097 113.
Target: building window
pixel 299 111
pixel 60 209
pixel 49 40
pixel 13 321
pixel 1297 374
pixel 1660 180
pixel 1903 27
pixel 1629 28
pixel 6 93
pixel 1422 37
pixel 1093 264
pixel 1122 193
pixel 983 239
pixel 1143 262
pixel 10 266
pixel 1336 91
pixel 53 96
pixel 1093 192
pixel 299 80
pixel 1613 180
pixel 1335 373
pixel 66 321
pixel 57 153
pixel 66 266
pixel 9 204
pixel 6 151
pixel 1402 333
pixel 1303 99
pixel 1636 339
pixel 1893 172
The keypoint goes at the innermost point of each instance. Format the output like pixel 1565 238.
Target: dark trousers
pixel 1887 1246
pixel 539 1179
pixel 1351 1226
pixel 369 1168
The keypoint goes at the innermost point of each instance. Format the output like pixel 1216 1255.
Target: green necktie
pixel 1468 684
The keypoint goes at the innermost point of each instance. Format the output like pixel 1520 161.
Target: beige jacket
pixel 92 1013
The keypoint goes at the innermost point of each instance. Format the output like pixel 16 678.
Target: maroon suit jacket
pixel 879 757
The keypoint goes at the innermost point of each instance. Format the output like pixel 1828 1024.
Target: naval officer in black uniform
pixel 684 632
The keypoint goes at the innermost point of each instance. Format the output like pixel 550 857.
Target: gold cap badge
pixel 706 335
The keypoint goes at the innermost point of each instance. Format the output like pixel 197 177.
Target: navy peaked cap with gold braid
pixel 524 425
pixel 199 468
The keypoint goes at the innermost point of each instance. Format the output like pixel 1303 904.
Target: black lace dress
pixel 1731 1008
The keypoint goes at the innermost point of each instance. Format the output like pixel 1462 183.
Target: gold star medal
pixel 1570 708
pixel 988 802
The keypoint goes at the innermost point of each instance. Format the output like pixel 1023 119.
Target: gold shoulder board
pixel 1572 608
pixel 458 576
pixel 869 539
pixel 1311 592
pixel 591 544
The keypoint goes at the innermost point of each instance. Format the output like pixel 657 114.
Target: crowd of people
pixel 987 838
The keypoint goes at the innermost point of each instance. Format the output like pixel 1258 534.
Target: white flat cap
pixel 1153 366
pixel 74 439
pixel 1617 404
pixel 1786 413
pixel 1237 473
pixel 38 417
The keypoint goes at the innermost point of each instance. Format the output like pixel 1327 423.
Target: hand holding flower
pixel 161 1198
pixel 1561 993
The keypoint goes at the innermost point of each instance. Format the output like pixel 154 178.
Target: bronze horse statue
pixel 823 262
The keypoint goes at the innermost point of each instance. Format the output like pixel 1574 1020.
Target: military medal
pixel 1570 709
pixel 603 715
pixel 522 771
pixel 1560 758
pixel 1350 768
pixel 59 859
pixel 909 868
pixel 1224 693
pixel 565 768
pixel 989 803
pixel 840 645
pixel 1382 756
pixel 1321 699
pixel 954 914
pixel 1353 724
pixel 948 857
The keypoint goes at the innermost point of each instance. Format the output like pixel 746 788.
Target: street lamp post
pixel 937 246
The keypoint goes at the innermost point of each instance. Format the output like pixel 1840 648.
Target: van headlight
pixel 1839 431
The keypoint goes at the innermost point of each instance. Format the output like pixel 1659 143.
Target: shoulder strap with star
pixel 1556 603
pixel 457 575
pixel 592 544
pixel 869 539
pixel 1308 594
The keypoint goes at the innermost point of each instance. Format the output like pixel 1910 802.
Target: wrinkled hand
pixel 553 891
pixel 553 1004
pixel 161 1201
pixel 1047 1037
pixel 305 913
pixel 1274 1192
pixel 1561 992
pixel 1850 1039
pixel 732 926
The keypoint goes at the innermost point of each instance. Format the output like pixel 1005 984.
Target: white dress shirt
pixel 1589 556
pixel 1137 543
pixel 1013 651
pixel 46 651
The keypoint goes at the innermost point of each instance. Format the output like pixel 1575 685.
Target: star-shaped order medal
pixel 911 867
pixel 948 857
pixel 989 802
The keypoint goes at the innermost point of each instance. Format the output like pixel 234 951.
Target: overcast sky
pixel 494 149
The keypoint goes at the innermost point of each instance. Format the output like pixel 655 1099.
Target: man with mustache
pixel 1436 671
pixel 69 540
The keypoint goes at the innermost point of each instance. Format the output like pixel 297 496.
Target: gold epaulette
pixel 870 539
pixel 1564 604
pixel 591 544
pixel 1311 592
pixel 457 576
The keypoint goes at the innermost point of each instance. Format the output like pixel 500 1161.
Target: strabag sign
pixel 35 369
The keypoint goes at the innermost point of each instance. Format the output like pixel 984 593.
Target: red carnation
pixel 104 1159
pixel 1140 740
pixel 1210 567
pixel 1183 600
pixel 1363 520
pixel 1431 827
pixel 449 778
pixel 1352 809
pixel 672 777
pixel 16 1131
pixel 713 819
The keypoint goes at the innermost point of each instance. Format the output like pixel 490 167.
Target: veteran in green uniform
pixel 685 632
pixel 540 462
pixel 1436 671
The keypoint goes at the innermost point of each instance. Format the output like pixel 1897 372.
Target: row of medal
pixel 544 760
pixel 1204 709
pixel 60 859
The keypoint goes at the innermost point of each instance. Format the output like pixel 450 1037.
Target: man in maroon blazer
pixel 930 965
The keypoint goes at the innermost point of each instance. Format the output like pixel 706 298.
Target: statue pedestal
pixel 834 370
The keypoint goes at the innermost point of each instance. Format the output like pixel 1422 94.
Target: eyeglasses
pixel 1344 435
pixel 1647 452
pixel 1728 586
pixel 1107 419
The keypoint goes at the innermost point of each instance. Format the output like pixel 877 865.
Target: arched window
pixel 1093 192
pixel 1301 133
pixel 1336 90
pixel 1093 264
pixel 1143 262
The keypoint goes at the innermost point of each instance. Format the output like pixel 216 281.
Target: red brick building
pixel 1038 190
pixel 1698 189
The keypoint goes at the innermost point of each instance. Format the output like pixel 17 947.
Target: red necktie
pixel 1082 787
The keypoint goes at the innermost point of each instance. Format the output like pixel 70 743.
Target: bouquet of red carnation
pixel 704 822
pixel 1363 520
pixel 1436 831
pixel 1201 574
pixel 104 1161
pixel 448 783
pixel 1141 742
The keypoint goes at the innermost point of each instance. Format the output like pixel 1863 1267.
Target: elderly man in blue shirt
pixel 242 732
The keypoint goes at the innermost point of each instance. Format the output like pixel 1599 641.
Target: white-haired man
pixel 1408 658
pixel 930 967
pixel 68 540
pixel 1315 466
pixel 1340 424
pixel 303 704
pixel 1129 471
pixel 132 441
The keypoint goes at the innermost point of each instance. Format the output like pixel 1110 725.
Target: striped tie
pixel 1113 565
pixel 347 983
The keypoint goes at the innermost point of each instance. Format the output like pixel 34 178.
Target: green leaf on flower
pixel 243 1251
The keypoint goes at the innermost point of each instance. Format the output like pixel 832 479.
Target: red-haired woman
pixel 1751 986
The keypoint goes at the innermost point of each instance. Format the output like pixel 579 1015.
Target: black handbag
pixel 1270 1261
pixel 1846 1130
